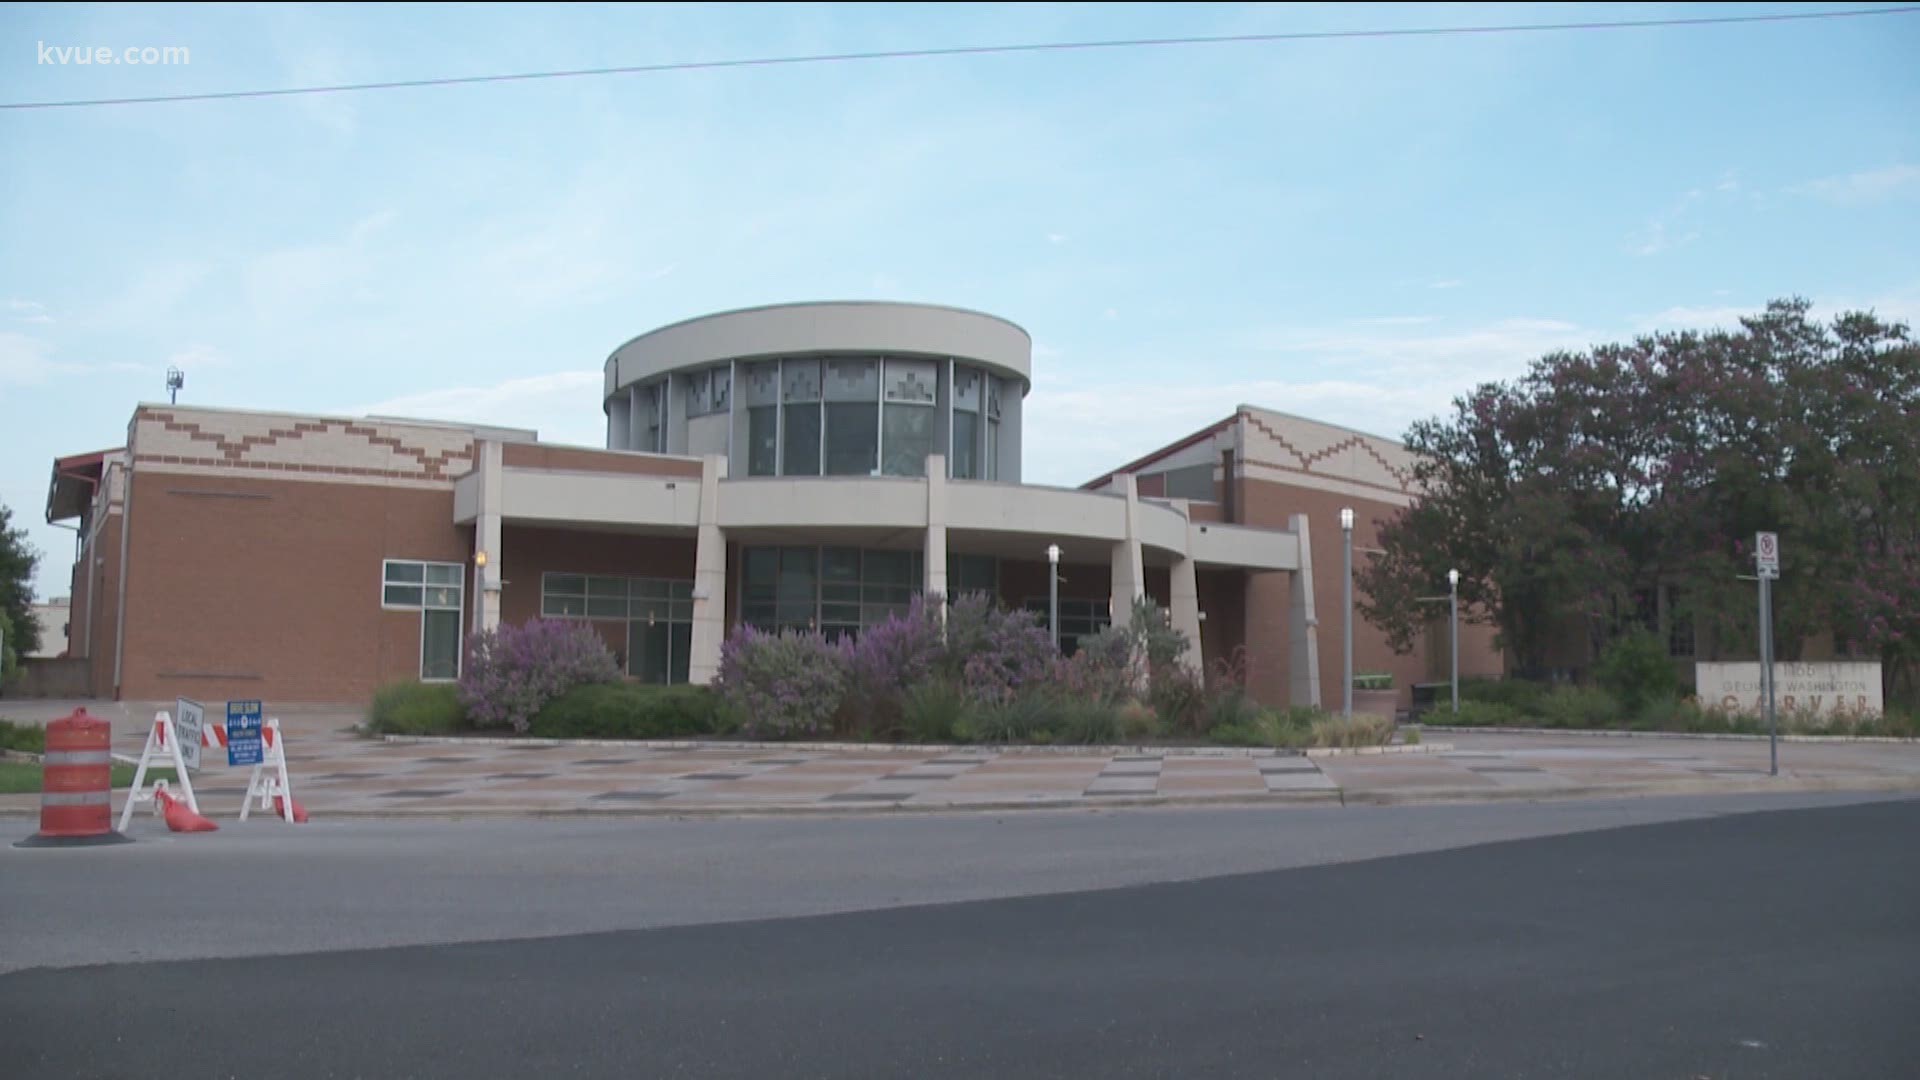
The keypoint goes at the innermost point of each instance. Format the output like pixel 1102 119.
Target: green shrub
pixel 417 708
pixel 1373 680
pixel 1411 737
pixel 1028 717
pixel 627 711
pixel 27 738
pixel 933 711
pixel 1138 721
pixel 1085 723
pixel 1520 695
pixel 1475 713
pixel 1243 734
pixel 1229 707
pixel 1579 707
pixel 1634 668
pixel 1360 729
pixel 1281 729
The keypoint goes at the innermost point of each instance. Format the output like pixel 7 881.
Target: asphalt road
pixel 1780 943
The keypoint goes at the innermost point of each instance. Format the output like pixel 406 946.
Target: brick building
pixel 806 465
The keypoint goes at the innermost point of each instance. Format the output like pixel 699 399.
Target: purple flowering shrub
pixel 512 672
pixel 994 653
pixel 887 662
pixel 782 686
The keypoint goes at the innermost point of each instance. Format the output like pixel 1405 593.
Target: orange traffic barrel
pixel 76 783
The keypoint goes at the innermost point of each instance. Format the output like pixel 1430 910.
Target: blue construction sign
pixel 243 733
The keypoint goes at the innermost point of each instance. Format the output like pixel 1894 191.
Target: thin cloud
pixel 1447 283
pixel 563 405
pixel 1862 188
pixel 28 311
pixel 24 361
pixel 1396 320
pixel 1656 239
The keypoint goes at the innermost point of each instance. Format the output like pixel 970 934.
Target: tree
pixel 18 559
pixel 1597 477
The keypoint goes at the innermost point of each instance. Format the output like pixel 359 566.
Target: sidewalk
pixel 338 773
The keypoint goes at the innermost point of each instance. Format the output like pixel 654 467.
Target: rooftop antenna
pixel 175 380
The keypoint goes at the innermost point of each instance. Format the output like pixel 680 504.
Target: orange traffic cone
pixel 280 810
pixel 179 818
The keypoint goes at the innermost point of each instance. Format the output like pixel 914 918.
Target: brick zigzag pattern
pixel 1307 461
pixel 434 466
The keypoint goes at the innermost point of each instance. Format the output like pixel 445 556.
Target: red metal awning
pixel 74 479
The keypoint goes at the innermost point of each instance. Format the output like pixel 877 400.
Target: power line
pixel 975 50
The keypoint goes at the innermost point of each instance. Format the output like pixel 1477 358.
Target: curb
pixel 1320 797
pixel 1786 785
pixel 1709 736
pixel 918 748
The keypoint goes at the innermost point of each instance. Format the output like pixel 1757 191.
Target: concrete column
pixel 486 535
pixel 1183 599
pixel 1303 623
pixel 709 576
pixel 935 585
pixel 1129 576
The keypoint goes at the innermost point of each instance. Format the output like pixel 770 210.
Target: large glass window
pixel 763 445
pixel 990 468
pixel 966 446
pixel 439 645
pixel 435 590
pixel 839 591
pixel 1078 619
pixel 909 391
pixel 973 574
pixel 759 576
pixel 650 417
pixel 658 613
pixel 800 398
pixel 853 417
pixel 699 392
pixel 835 590
pixel 908 439
pixel 802 442
pixel 853 436
pixel 794 595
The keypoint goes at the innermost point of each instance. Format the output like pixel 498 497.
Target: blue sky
pixel 1354 230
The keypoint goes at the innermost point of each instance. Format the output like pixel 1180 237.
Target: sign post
pixel 189 721
pixel 1766 560
pixel 243 733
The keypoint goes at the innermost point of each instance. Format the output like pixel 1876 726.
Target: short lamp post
pixel 1053 593
pixel 1453 630
pixel 479 590
pixel 1346 581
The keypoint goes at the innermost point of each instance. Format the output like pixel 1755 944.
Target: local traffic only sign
pixel 189 721
pixel 243 733
pixel 1766 554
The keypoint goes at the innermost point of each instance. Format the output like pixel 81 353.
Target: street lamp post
pixel 479 590
pixel 1053 593
pixel 1346 582
pixel 1453 630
